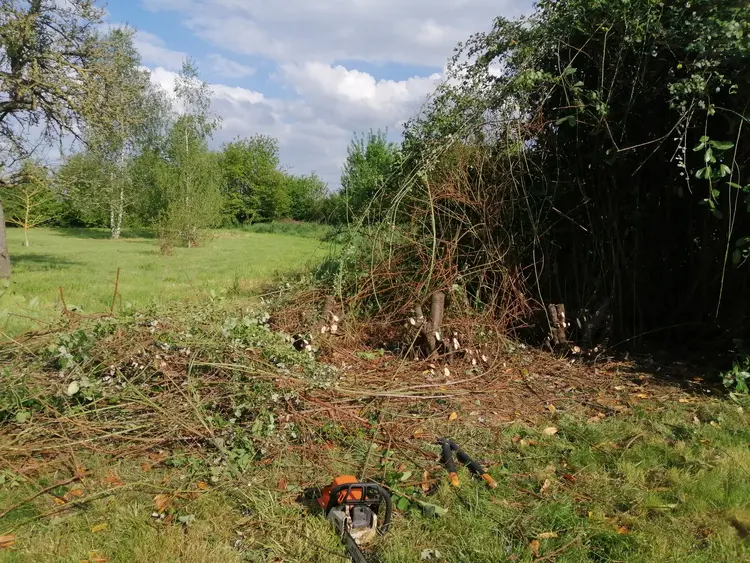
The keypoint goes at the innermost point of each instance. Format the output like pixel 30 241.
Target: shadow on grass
pixel 104 234
pixel 33 261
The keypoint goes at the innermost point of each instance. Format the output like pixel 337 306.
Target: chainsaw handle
pixel 350 500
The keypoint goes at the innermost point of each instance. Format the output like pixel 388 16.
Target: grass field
pixel 84 263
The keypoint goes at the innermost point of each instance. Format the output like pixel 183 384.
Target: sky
pixel 311 73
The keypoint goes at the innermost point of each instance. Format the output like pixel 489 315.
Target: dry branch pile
pixel 235 388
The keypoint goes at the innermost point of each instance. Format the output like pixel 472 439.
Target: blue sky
pixel 310 73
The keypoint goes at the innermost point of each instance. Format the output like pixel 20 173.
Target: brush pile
pixel 231 390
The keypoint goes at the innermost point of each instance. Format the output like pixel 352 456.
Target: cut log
pixel 557 324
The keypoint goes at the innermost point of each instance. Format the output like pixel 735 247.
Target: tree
pixel 45 51
pixel 30 201
pixel 254 187
pixel 306 194
pixel 191 177
pixel 122 90
pixel 369 175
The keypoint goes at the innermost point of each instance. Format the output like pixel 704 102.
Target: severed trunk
pixel 4 255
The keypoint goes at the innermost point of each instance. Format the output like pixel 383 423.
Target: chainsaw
pixel 354 509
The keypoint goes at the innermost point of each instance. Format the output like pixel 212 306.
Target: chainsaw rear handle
pixel 450 446
pixel 353 494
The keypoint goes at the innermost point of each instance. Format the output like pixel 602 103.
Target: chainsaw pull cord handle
pixel 382 496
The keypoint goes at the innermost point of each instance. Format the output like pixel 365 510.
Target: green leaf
pixel 734 185
pixel 724 170
pixel 430 509
pixel 709 156
pixel 569 70
pixel 406 476
pixel 721 146
pixel 736 257
pixel 402 504
pixel 73 388
pixel 187 519
pixel 22 417
pixel 569 119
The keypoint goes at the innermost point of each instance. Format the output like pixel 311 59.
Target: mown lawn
pixel 84 263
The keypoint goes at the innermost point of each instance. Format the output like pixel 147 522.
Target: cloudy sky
pixel 309 72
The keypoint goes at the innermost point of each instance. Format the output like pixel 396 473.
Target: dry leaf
pixel 534 547
pixel 418 433
pixel 162 502
pixel 551 408
pixel 203 486
pixel 569 477
pixel 99 528
pixel 551 431
pixel 425 481
pixel 282 484
pixel 113 479
pixel 683 401
pixel 7 541
pixel 545 486
pixel 59 501
pixel 145 467
pixel 453 416
pixel 158 457
pixel 622 530
pixel 547 536
pixel 74 493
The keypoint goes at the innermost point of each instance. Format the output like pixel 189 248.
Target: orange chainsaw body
pixel 355 494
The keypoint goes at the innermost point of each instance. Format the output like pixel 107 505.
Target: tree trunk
pixel 4 255
pixel 26 236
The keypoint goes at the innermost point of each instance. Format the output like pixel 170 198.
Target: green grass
pixel 644 486
pixel 84 263
pixel 300 229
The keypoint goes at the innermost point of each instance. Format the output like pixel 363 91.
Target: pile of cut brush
pixel 232 389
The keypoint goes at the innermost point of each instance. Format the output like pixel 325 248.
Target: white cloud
pixel 228 68
pixel 420 32
pixel 315 128
pixel 305 40
pixel 155 53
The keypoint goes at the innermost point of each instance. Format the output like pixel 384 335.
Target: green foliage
pixel 596 130
pixel 252 181
pixel 306 195
pixel 191 177
pixel 369 177
pixel 738 378
pixel 29 201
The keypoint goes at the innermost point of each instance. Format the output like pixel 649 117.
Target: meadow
pixel 84 263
